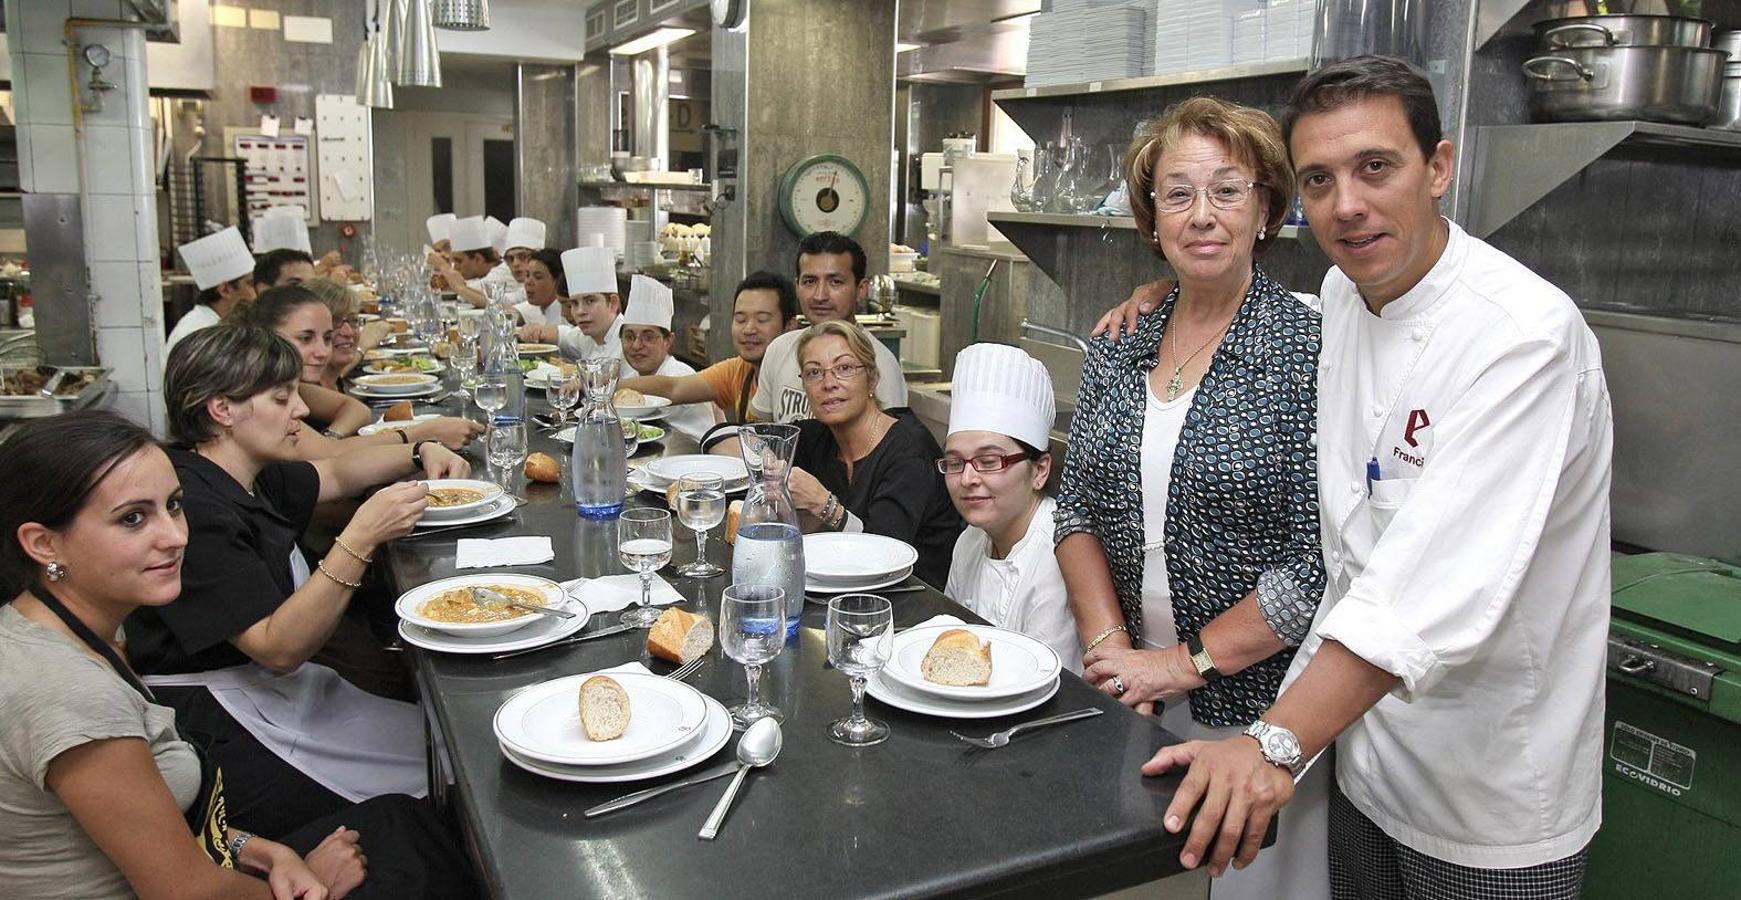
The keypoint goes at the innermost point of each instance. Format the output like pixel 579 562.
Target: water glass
pixel 701 507
pixel 465 365
pixel 564 395
pixel 508 453
pixel 752 630
pixel 491 396
pixel 861 635
pixel 644 545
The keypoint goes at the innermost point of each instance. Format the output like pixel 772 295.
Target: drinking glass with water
pixel 752 630
pixel 701 507
pixel 644 545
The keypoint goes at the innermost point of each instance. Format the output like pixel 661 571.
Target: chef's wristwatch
pixel 1279 745
pixel 1201 660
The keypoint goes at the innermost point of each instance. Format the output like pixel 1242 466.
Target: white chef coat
pixel 201 316
pixel 692 419
pixel 576 344
pixel 512 291
pixel 780 393
pixel 1024 591
pixel 1477 570
pixel 532 314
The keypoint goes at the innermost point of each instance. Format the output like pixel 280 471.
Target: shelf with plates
pixel 1150 82
pixel 644 186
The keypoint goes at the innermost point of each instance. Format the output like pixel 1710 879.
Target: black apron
pixel 205 817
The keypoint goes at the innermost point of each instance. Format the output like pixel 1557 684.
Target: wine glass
pixel 644 545
pixel 491 395
pixel 752 630
pixel 861 634
pixel 508 453
pixel 465 365
pixel 701 506
pixel 564 395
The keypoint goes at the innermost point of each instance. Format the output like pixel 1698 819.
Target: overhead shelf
pixel 645 186
pixel 1083 220
pixel 1149 82
pixel 1517 165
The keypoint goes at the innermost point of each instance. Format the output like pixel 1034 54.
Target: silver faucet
pixel 1031 325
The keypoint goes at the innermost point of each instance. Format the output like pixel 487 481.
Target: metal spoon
pixel 490 599
pixel 758 747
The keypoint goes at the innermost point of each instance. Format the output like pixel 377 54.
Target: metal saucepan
pixel 1729 107
pixel 1623 31
pixel 1656 84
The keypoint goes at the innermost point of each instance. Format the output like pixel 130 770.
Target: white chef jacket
pixel 780 393
pixel 1477 569
pixel 532 314
pixel 692 419
pixel 502 275
pixel 201 316
pixel 576 344
pixel 1023 592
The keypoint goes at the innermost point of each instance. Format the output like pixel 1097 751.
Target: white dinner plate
pixel 537 349
pixel 363 393
pixel 543 631
pixel 649 434
pixel 654 405
pixel 638 480
pixel 848 559
pixel 378 426
pixel 388 352
pixel 669 469
pixel 396 383
pixel 715 732
pixel 490 491
pixel 407 604
pixel 542 722
pixel 1019 664
pixel 815 587
pixel 901 697
pixel 375 369
pixel 501 507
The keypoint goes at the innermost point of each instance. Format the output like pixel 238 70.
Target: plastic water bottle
pixel 772 553
pixel 599 462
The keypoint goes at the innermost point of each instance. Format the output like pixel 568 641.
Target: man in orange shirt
pixel 765 306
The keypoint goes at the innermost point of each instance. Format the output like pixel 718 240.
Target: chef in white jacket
pixel 995 464
pixel 646 341
pixel 524 237
pixel 282 228
pixel 477 269
pixel 1464 456
pixel 223 270
pixel 594 308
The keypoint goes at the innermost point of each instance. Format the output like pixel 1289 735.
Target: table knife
pixel 627 800
pixel 602 632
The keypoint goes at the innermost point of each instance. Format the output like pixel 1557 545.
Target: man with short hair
pixel 283 266
pixel 647 339
pixel 764 307
pixel 223 270
pixel 831 283
pixel 475 265
pixel 524 237
pixel 1464 456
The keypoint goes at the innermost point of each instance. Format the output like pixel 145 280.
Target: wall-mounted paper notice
pixel 304 126
pixel 230 16
pixel 269 125
pixel 308 29
pixel 263 19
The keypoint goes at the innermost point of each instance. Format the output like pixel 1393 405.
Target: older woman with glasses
pixel 1187 525
pixel 351 337
pixel 860 467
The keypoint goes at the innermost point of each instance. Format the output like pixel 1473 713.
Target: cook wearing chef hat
pixel 281 228
pixel 439 226
pixel 593 307
pixel 498 232
pixel 646 339
pixel 223 270
pixel 995 464
pixel 476 270
pixel 523 237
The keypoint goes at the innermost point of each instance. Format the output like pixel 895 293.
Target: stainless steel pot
pixel 1623 31
pixel 1729 105
pixel 1656 84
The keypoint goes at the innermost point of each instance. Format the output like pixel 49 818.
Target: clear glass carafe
pixel 770 547
pixel 598 461
pixel 1022 189
pixel 1045 177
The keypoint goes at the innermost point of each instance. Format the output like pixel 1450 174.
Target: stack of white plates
pixel 522 633
pixel 672 726
pixel 395 385
pixel 661 473
pixel 1024 674
pixel 847 562
pixel 602 224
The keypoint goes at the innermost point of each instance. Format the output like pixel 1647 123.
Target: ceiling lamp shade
pixel 374 87
pixel 419 57
pixel 462 15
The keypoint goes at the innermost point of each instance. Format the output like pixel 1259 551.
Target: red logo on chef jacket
pixel 1417 421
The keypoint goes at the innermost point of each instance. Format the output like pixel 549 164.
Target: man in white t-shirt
pixel 831 283
pixel 646 342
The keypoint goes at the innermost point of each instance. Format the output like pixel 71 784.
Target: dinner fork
pixel 686 670
pixel 1001 738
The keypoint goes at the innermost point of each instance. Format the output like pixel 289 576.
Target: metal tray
pixel 32 407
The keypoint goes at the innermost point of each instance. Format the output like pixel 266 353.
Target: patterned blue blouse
pixel 1242 507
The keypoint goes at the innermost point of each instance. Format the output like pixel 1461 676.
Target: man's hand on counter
pixel 1239 791
pixel 1122 319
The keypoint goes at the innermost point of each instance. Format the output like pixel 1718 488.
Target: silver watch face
pixel 1281 746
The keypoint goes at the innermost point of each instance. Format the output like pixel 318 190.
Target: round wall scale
pixel 824 193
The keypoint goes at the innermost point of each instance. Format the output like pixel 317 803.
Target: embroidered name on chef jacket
pixel 1417 436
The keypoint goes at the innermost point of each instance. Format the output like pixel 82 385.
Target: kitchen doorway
pixel 462 163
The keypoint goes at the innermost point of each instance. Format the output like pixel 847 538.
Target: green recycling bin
pixel 1671 787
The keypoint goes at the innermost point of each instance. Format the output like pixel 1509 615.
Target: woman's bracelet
pixel 340 543
pixel 353 585
pixel 404 434
pixel 1103 636
pixel 828 507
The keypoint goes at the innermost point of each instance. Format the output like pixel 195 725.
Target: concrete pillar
pixel 105 158
pixel 544 129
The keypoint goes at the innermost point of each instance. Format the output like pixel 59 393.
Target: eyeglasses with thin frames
pixel 1229 194
pixel 990 462
pixel 842 372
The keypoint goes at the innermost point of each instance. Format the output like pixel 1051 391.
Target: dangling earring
pixel 56 571
pixel 1261 231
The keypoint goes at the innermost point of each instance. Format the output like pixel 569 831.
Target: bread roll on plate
pixel 629 397
pixel 957 659
pixel 680 636
pixel 604 708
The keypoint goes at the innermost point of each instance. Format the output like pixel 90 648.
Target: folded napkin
pixel 633 668
pixel 944 619
pixel 616 592
pixel 487 553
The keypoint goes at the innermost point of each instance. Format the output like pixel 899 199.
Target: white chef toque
pixel 439 226
pixel 649 303
pixel 281 228
pixel 217 258
pixel 498 234
pixel 469 233
pixel 524 232
pixel 1002 389
pixel 590 270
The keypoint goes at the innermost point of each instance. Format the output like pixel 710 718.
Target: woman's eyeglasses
pixel 842 372
pixel 991 462
pixel 1229 194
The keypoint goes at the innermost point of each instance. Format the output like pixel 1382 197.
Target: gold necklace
pixel 1176 384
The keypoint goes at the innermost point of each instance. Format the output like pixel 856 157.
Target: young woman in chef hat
pixel 995 464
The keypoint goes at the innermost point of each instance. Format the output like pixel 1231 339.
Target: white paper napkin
pixel 634 668
pixel 616 592
pixel 487 553
pixel 944 619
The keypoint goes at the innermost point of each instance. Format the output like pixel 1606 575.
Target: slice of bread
pixel 957 659
pixel 680 636
pixel 604 708
pixel 399 412
pixel 733 512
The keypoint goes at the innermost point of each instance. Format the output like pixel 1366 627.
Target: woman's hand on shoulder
pixel 453 432
pixel 440 462
pixel 391 513
pixel 339 862
pixel 808 494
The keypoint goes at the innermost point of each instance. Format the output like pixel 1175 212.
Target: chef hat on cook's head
pixel 590 270
pixel 649 303
pixel 498 233
pixel 217 258
pixel 438 226
pixel 524 232
pixel 469 233
pixel 281 228
pixel 1002 389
